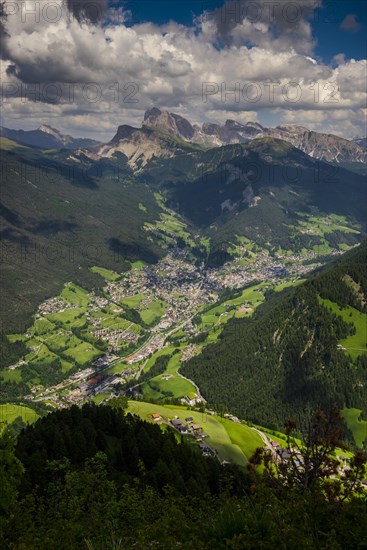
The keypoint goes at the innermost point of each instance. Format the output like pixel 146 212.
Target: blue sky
pixel 332 39
pixel 326 23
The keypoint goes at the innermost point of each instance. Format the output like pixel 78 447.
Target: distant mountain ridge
pixel 317 145
pixel 46 137
pixel 154 139
pixel 361 141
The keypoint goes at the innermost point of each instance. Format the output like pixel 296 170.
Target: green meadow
pixel 9 412
pixel 75 295
pixel 8 144
pixel 233 442
pixel 83 353
pixel 41 354
pixel 158 387
pixel 137 265
pixel 106 273
pixel 164 351
pixel 118 368
pixel 252 295
pixel 133 301
pixel 218 315
pixel 14 375
pixel 287 284
pixel 60 341
pixel 357 426
pixel 153 312
pixel 97 399
pixel 357 343
pixel 42 326
pixel 66 317
pixel 116 322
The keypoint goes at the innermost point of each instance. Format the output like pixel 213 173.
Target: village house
pixel 179 425
pixel 192 399
pixel 205 449
pixel 195 427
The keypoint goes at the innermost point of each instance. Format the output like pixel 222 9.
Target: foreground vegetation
pixel 95 478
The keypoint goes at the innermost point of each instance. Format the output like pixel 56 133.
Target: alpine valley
pixel 206 265
pixel 183 283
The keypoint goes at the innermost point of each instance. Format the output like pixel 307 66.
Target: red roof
pixel 94 380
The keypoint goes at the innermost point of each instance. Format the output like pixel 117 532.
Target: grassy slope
pixel 106 273
pixel 177 386
pixel 9 412
pixel 133 301
pixel 153 312
pixel 357 343
pixel 233 442
pixel 357 426
pixel 213 321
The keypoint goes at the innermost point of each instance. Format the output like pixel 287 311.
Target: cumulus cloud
pixel 350 23
pixel 281 24
pixel 87 76
pixel 352 121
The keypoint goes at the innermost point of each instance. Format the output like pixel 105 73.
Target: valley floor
pixel 133 336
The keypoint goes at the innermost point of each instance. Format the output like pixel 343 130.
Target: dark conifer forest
pixel 97 478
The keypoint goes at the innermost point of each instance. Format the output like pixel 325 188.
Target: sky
pixel 88 66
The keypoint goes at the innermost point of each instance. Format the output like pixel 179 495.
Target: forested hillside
pixel 95 478
pixel 298 351
pixel 57 221
pixel 259 189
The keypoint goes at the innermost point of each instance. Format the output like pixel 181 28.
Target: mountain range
pixel 320 146
pixel 46 138
pixel 164 135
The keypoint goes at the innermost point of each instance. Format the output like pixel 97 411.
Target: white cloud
pixel 353 122
pixel 136 67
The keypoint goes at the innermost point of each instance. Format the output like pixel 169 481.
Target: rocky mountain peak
pixel 123 132
pixel 170 123
pixel 152 114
